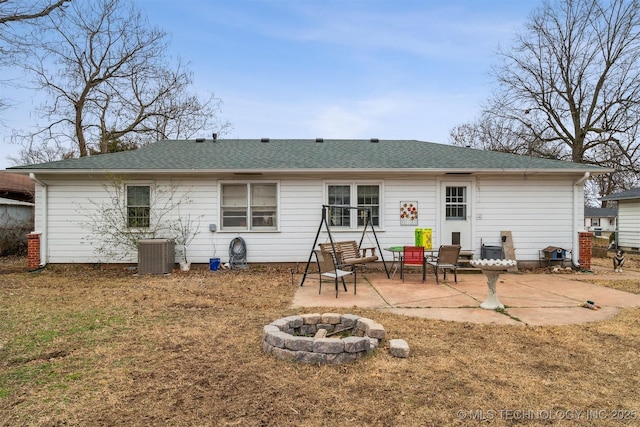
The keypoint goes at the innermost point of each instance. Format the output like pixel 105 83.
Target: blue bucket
pixel 214 264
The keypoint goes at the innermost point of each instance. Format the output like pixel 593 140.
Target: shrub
pixel 13 238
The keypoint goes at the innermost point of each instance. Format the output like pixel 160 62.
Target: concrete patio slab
pixel 529 298
pixel 470 315
pixel 546 316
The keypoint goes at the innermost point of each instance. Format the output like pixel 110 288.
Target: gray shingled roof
pixel 298 154
pixel 600 212
pixel 634 193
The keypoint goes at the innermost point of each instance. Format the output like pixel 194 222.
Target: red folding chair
pixel 413 256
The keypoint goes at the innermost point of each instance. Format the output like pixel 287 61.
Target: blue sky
pixel 391 69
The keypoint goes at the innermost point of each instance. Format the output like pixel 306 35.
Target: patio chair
pixel 327 267
pixel 447 259
pixel 412 256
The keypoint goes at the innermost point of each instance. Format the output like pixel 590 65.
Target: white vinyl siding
pixel 629 223
pixel 538 210
pixel 70 213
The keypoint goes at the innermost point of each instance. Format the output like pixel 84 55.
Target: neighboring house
pixel 16 187
pixel 16 211
pixel 628 233
pixel 16 221
pixel 600 219
pixel 271 192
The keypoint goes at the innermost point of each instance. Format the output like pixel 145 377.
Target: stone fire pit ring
pixel 303 338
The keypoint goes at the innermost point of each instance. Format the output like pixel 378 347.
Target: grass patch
pixel 99 346
pixel 506 313
pixel 44 332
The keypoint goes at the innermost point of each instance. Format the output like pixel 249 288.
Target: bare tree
pixel 13 13
pixel 111 232
pixel 16 10
pixel 571 83
pixel 493 134
pixel 112 86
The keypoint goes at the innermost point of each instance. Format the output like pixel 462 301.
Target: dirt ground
pixel 87 345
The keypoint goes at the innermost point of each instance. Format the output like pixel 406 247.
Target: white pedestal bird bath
pixel 492 269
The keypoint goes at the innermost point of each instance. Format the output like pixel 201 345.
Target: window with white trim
pixel 138 205
pixel 249 206
pixel 456 203
pixel 364 195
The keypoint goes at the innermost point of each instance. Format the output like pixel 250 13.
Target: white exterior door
pixel 455 214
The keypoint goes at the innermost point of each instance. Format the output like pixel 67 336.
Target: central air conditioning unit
pixel 156 256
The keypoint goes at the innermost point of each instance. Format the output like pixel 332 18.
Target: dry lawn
pixel 102 347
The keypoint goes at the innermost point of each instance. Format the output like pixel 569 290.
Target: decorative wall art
pixel 408 213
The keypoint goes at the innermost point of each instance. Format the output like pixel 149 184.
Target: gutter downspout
pixel 44 243
pixel 575 254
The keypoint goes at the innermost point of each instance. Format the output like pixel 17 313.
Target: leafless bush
pixel 13 237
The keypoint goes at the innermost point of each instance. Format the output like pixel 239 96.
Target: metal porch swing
pixel 324 223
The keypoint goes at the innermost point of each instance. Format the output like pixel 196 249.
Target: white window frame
pixel 126 202
pixel 353 197
pixel 274 220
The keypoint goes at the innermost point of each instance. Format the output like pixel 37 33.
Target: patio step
pixel 464 265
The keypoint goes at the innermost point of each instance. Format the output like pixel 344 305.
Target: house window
pixel 366 196
pixel 369 197
pixel 263 205
pixel 456 203
pixel 138 205
pixel 339 195
pixel 595 222
pixel 249 206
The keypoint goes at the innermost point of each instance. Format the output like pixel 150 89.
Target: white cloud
pixel 340 122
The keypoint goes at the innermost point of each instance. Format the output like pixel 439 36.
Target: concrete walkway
pixel 529 298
